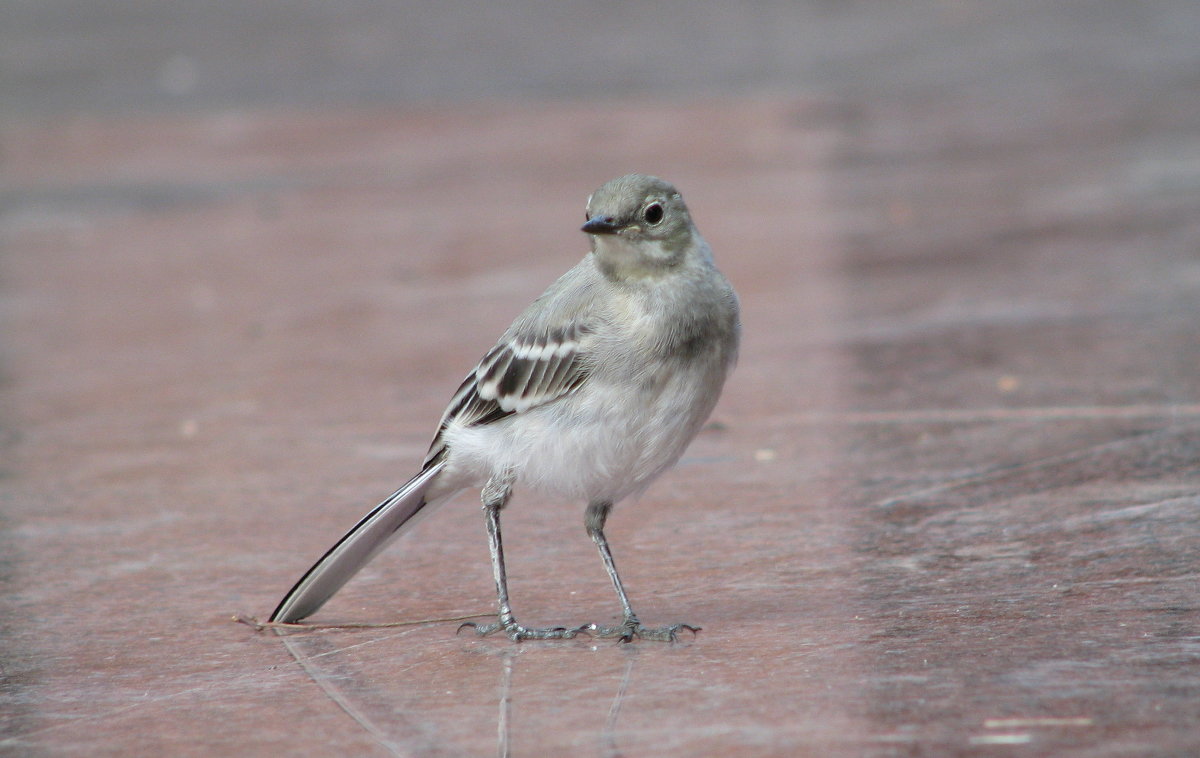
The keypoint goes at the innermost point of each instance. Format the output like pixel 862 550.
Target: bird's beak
pixel 601 225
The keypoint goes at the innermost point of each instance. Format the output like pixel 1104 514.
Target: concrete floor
pixel 950 503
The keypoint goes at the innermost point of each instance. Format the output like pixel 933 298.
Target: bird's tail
pixel 356 548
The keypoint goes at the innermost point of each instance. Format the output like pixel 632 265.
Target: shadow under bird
pixel 595 390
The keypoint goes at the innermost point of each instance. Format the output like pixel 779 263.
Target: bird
pixel 595 390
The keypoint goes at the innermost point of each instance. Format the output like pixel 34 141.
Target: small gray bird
pixel 595 390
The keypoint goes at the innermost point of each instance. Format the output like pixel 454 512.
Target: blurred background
pixel 60 56
pixel 948 500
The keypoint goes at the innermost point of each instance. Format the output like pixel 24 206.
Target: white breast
pixel 600 445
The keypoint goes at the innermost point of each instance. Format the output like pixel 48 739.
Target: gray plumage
pixel 595 389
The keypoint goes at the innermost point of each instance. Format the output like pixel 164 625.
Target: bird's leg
pixel 495 495
pixel 594 519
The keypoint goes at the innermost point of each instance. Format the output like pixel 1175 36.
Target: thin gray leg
pixel 496 548
pixel 597 515
pixel 594 520
pixel 495 496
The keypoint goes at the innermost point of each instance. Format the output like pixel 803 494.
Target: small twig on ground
pixel 311 627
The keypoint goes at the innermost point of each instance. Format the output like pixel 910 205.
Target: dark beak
pixel 601 225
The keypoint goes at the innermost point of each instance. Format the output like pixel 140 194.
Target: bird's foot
pixel 632 629
pixel 516 632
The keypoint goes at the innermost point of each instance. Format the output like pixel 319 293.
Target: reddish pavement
pixel 950 504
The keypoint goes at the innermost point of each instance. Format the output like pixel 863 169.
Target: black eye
pixel 653 214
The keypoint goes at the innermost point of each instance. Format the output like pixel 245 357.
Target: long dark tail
pixel 356 548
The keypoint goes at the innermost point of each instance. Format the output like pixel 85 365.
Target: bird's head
pixel 638 225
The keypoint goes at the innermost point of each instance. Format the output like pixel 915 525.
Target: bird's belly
pixel 602 445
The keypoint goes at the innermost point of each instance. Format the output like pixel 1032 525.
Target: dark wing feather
pixel 517 374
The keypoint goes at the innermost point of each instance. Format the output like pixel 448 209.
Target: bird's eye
pixel 653 214
pixel 587 216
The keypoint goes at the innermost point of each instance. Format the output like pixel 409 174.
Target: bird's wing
pixel 524 370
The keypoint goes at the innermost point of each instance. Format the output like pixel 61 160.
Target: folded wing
pixel 519 373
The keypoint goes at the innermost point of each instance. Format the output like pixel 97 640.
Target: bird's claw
pixel 516 632
pixel 627 631
pixel 632 629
